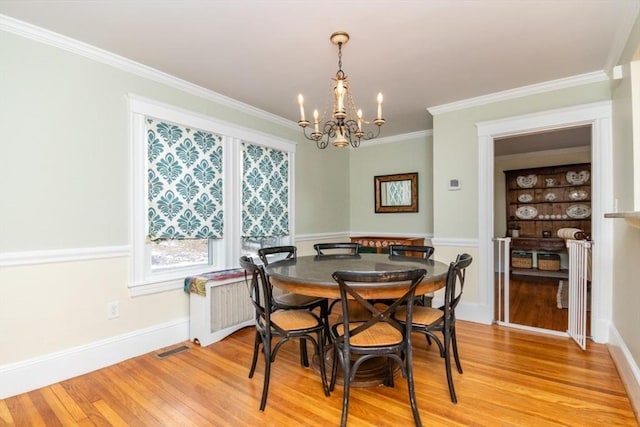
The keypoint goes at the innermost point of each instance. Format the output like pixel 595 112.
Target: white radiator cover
pixel 224 309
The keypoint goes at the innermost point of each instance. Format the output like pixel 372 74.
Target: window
pixel 204 193
pixel 265 197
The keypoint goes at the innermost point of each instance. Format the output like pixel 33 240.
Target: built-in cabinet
pixel 541 201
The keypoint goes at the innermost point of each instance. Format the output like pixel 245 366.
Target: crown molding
pixel 41 35
pixel 398 138
pixel 538 88
pixel 621 37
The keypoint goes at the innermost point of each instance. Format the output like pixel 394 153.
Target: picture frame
pixel 396 193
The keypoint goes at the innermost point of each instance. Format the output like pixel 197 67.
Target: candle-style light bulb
pixel 359 120
pixel 315 119
pixel 340 95
pixel 380 105
pixel 301 102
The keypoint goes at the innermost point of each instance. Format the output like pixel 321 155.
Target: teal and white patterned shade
pixel 265 192
pixel 184 176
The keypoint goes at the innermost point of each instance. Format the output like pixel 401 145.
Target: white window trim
pixel 227 250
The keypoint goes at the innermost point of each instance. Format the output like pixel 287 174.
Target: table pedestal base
pixel 371 373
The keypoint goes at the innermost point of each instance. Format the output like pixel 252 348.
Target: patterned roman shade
pixel 265 192
pixel 184 176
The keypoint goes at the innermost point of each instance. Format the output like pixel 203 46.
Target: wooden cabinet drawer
pixel 547 244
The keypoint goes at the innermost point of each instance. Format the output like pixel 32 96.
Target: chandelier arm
pixel 308 136
pixel 370 135
pixel 353 133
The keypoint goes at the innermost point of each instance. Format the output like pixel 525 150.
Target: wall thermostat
pixel 454 184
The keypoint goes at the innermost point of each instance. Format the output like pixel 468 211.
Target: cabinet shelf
pixel 550 219
pixel 542 187
pixel 570 183
pixel 557 202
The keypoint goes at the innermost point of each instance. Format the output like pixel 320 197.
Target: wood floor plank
pixel 65 403
pixel 5 414
pixel 110 414
pixel 511 378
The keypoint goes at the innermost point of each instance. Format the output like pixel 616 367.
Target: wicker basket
pixel 549 262
pixel 521 260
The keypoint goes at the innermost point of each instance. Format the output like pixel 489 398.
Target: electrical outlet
pixel 113 310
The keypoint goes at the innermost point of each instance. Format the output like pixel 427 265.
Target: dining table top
pixel 312 275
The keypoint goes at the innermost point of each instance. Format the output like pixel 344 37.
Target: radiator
pixel 224 309
pixel 579 275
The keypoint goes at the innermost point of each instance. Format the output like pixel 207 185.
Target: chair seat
pixel 292 320
pixel 421 315
pixel 380 334
pixel 296 300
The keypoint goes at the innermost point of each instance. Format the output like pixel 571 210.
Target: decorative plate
pixel 550 197
pixel 525 198
pixel 526 181
pixel 578 195
pixel 578 211
pixel 526 212
pixel 577 178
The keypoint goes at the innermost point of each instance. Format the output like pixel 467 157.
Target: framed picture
pixel 396 193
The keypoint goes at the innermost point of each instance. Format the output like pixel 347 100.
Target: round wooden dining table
pixel 312 275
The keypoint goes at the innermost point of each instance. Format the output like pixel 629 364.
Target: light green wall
pixel 626 240
pixel 455 152
pixel 65 139
pixel 65 184
pixel 405 156
pixel 322 189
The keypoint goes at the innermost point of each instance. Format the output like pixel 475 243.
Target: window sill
pixel 632 217
pixel 172 284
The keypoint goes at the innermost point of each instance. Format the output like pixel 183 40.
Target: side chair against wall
pixel 291 301
pixel 340 248
pixel 424 252
pixel 378 336
pixel 429 320
pixel 284 325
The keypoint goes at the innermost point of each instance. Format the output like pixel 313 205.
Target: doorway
pixel 536 296
pixel 598 116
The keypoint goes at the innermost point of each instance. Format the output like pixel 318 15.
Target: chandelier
pixel 345 126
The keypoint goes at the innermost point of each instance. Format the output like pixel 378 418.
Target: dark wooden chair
pixel 429 320
pixel 409 250
pixel 337 250
pixel 291 301
pixel 340 248
pixel 284 325
pixel 379 336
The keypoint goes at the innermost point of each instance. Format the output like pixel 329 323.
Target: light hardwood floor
pixel 511 378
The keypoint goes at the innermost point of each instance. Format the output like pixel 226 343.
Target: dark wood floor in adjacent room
pixel 511 378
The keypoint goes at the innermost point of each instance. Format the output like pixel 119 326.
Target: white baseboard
pixel 627 368
pixel 472 312
pixel 31 374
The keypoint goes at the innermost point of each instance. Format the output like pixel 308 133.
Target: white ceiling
pixel 419 54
